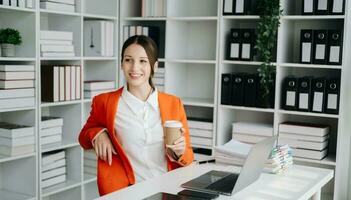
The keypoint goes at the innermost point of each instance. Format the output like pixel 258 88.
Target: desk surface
pixel 298 183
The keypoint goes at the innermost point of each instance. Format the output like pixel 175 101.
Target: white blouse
pixel 139 129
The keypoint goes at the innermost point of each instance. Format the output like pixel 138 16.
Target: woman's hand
pixel 104 148
pixel 178 146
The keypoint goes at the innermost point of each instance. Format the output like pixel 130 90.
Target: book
pixel 52 173
pixel 234 148
pixel 51 139
pixel 71 2
pixel 303 137
pixel 14 84
pixel 16 68
pixel 90 170
pixel 78 82
pixel 16 75
pixel 53 165
pixel 16 151
pixel 16 93
pixel 303 144
pixel 56 35
pixel 50 77
pixel 57 54
pixel 201 141
pixel 310 154
pixel 73 82
pixel 10 130
pixel 53 181
pixel 200 123
pixel 56 42
pixel 56 48
pixel 15 142
pixel 50 131
pixel 68 86
pixel 49 158
pixel 248 138
pixel 201 133
pixel 62 83
pixel 50 121
pixel 261 129
pixel 99 85
pixel 92 93
pixel 304 128
pixel 17 102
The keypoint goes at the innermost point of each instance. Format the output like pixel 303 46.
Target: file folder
pixel 337 7
pixel 320 39
pixel 234 46
pixel 334 47
pixel 250 88
pixel 226 89
pixel 308 7
pixel 228 7
pixel 321 7
pixel 238 89
pixel 304 94
pixel 247 36
pixel 332 96
pixel 318 94
pixel 289 97
pixel 306 42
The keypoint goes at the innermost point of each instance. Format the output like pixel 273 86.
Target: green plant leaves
pixel 10 36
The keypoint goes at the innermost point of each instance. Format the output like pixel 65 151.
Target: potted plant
pixel 267 29
pixel 8 39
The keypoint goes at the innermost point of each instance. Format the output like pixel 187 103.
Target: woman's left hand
pixel 178 146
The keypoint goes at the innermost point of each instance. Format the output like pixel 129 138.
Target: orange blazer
pixel 103 113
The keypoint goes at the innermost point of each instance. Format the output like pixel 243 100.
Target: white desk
pixel 298 183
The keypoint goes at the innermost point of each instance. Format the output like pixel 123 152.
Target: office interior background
pixel 70 51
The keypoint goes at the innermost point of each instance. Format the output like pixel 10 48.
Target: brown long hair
pixel 151 51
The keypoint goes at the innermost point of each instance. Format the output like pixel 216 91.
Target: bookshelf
pixel 192 52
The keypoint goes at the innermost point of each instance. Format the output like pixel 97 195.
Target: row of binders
pixel 58 5
pixel 16 139
pixel 240 7
pixel 53 168
pixel 159 79
pixel 323 7
pixel 242 89
pixel 98 38
pixel 60 83
pixel 17 86
pixel 18 3
pixel 56 43
pixel 95 87
pixel 201 132
pixel 151 31
pixel 153 8
pixel 50 130
pixel 321 46
pixel 311 94
pixel 241 44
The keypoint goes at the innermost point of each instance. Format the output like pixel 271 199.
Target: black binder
pixel 228 7
pixel 248 37
pixel 308 7
pixel 238 89
pixel 289 95
pixel 250 88
pixel 320 39
pixel 332 96
pixel 234 45
pixel 304 94
pixel 337 7
pixel 334 47
pixel 226 89
pixel 306 45
pixel 242 7
pixel 321 7
pixel 318 94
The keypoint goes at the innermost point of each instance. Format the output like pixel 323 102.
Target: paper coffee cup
pixel 172 131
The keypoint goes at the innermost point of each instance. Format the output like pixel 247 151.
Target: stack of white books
pixel 53 168
pixel 95 87
pixel 50 130
pixel 98 38
pixel 159 79
pixel 251 133
pixel 16 139
pixel 90 162
pixel 307 140
pixel 153 8
pixel 58 5
pixel 233 153
pixel 280 160
pixel 17 86
pixel 201 131
pixel 56 43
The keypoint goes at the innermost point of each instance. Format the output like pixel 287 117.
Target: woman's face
pixel 136 66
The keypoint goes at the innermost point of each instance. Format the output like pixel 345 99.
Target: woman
pixel 125 126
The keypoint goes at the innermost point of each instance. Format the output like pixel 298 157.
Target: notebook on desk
pixel 221 182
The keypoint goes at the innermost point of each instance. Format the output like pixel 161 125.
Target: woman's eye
pixel 143 61
pixel 126 60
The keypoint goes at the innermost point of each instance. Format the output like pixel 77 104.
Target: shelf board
pixel 61 58
pixel 58 145
pixel 329 160
pixel 308 114
pixel 311 17
pixel 12 8
pixel 87 100
pixel 69 184
pixel 28 59
pixel 269 110
pixel 99 58
pixel 61 103
pixel 45 11
pixel 203 102
pixel 5 194
pixel 145 18
pixel 239 62
pixel 88 178
pixel 162 60
pixel 200 146
pixel 17 109
pixel 309 66
pixel 191 61
pixel 241 17
pixel 11 158
pixel 201 157
pixel 94 16
pixel 201 18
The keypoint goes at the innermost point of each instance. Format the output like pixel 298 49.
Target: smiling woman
pixel 125 127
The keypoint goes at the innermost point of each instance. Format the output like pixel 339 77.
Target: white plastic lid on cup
pixel 173 124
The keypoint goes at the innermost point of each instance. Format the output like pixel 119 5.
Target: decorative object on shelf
pixel 8 39
pixel 267 29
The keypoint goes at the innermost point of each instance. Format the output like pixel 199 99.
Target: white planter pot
pixel 7 50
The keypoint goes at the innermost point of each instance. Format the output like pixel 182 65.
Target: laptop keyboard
pixel 226 184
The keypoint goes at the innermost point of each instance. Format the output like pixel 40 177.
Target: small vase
pixel 7 50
